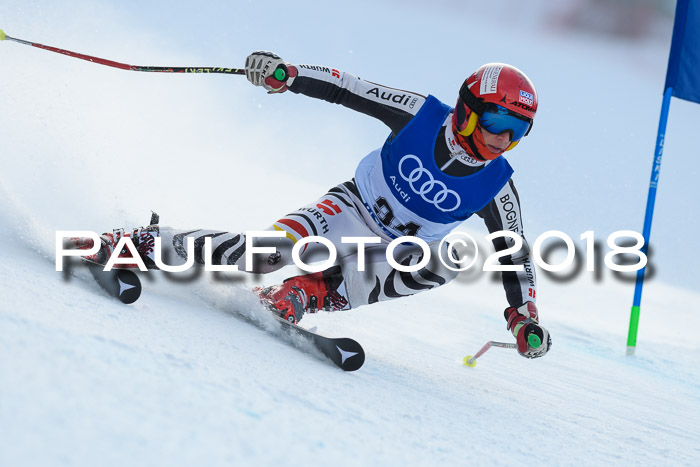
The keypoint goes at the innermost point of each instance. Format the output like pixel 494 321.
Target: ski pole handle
pixel 533 340
pixel 281 73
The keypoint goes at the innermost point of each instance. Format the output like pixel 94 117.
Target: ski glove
pixel 269 71
pixel 523 321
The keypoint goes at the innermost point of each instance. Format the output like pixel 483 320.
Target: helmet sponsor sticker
pixel 526 97
pixel 489 79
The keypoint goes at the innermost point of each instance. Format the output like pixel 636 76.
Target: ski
pixel 122 284
pixel 347 354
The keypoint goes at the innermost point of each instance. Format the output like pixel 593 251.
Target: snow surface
pixel 179 379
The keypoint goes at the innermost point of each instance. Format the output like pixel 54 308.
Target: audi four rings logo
pixel 444 199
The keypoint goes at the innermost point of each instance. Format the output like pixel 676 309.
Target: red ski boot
pixel 308 293
pixel 142 238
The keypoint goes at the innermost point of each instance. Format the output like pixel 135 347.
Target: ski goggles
pixel 496 119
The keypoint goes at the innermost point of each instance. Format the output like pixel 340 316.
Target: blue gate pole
pixel 651 200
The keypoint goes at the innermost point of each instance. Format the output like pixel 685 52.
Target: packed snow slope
pixel 180 379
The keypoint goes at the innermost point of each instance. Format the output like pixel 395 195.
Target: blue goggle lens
pixel 497 119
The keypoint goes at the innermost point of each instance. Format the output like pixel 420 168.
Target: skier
pixel 438 167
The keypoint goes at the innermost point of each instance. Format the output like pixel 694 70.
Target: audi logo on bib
pixel 424 185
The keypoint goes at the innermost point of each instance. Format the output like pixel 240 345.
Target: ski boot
pixel 306 294
pixel 143 239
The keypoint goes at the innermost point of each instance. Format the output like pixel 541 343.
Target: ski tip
pixel 469 361
pixel 3 36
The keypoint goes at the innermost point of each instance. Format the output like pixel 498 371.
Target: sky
pixel 585 166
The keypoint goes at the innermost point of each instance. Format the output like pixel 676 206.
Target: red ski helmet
pixel 497 97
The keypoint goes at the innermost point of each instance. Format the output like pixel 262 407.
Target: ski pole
pixel 533 341
pixel 280 73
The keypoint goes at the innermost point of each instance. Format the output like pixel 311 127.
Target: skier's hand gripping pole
pixel 268 70
pixel 124 66
pixel 532 340
pixel 470 360
pixel 523 323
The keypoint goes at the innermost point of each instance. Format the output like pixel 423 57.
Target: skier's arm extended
pixel 503 213
pixel 394 107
